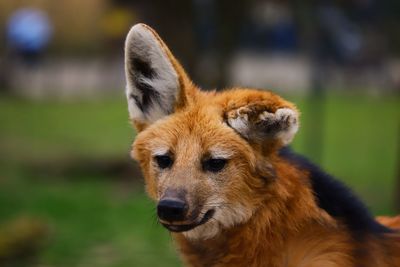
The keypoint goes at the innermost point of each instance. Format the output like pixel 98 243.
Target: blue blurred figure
pixel 29 32
pixel 340 37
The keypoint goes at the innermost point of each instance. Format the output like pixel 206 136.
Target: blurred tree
pixel 116 22
pixel 397 185
pixel 229 23
pixel 173 20
pixel 209 31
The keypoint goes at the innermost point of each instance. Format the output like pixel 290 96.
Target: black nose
pixel 171 210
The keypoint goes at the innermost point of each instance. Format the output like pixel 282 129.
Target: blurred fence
pixel 266 44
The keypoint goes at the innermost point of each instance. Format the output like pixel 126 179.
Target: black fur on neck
pixel 336 198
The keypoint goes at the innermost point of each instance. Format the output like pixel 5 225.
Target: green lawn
pixel 97 220
pixel 93 222
pixel 42 130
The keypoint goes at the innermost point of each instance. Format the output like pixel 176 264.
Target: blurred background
pixel 69 193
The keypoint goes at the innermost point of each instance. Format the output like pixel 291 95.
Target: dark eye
pixel 214 165
pixel 163 161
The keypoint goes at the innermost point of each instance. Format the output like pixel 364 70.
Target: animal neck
pixel 243 243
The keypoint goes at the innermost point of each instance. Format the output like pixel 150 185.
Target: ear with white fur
pixel 257 123
pixel 154 77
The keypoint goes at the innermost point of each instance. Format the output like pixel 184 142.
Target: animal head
pixel 207 157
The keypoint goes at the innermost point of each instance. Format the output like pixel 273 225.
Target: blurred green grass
pixel 103 221
pixel 42 130
pixel 93 222
pixel 361 142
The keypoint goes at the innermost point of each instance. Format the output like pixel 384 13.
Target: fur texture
pixel 248 200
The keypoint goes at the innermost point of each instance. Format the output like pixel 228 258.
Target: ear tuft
pixel 283 124
pixel 152 81
pixel 257 125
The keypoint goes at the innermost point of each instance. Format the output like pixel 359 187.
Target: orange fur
pixel 392 222
pixel 268 215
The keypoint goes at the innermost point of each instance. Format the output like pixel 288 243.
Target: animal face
pixel 206 156
pixel 197 169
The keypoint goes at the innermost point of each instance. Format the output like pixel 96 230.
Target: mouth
pixel 186 227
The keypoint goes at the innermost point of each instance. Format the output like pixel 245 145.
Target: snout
pixel 176 215
pixel 172 210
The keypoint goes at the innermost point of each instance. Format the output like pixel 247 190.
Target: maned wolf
pixel 224 183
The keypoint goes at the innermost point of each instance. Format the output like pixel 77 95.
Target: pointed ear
pixel 268 121
pixel 155 80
